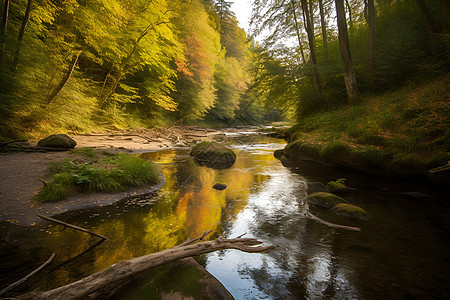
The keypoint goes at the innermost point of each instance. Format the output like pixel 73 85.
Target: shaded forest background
pixel 78 65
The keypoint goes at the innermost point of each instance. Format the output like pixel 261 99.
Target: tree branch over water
pixel 108 281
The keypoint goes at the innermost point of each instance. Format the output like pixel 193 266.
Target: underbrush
pixel 113 173
pixel 409 126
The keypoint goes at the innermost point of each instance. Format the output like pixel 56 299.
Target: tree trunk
pixel 297 29
pixel 350 19
pixel 64 80
pixel 108 281
pixel 371 23
pixel 21 34
pixel 311 46
pixel 324 29
pixel 3 30
pixel 445 10
pixel 349 73
pixel 429 22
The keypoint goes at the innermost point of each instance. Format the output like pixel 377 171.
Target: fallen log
pixel 332 225
pixel 107 282
pixel 22 280
pixel 72 226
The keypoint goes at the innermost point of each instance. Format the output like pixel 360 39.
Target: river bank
pixel 21 173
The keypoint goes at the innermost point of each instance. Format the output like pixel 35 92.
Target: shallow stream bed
pixel 402 252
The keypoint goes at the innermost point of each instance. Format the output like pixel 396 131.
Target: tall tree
pixel 371 23
pixel 297 31
pixel 22 33
pixel 324 29
pixel 3 29
pixel 347 64
pixel 309 30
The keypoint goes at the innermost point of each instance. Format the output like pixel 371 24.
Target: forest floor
pixel 21 172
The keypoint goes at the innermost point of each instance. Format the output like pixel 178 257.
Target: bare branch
pixel 315 218
pixel 19 282
pixel 72 226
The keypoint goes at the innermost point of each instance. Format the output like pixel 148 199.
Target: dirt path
pixel 20 172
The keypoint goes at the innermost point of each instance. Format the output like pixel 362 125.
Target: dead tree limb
pixel 108 281
pixel 332 225
pixel 72 226
pixel 19 282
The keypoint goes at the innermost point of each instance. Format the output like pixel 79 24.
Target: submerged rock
pixel 351 211
pixel 213 155
pixel 315 187
pixel 220 186
pixel 324 199
pixel 57 141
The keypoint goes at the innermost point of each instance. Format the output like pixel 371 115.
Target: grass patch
pixel 112 174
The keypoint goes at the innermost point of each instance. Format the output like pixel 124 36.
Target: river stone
pixel 57 141
pixel 336 187
pixel 213 155
pixel 324 199
pixel 351 211
pixel 220 186
pixel 315 187
pixel 278 153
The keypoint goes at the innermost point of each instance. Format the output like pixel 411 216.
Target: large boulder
pixel 351 211
pixel 325 199
pixel 213 155
pixel 57 141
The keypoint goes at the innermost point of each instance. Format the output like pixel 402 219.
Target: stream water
pixel 402 252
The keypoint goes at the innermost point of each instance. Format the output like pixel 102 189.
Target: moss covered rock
pixel 57 141
pixel 337 186
pixel 324 199
pixel 213 155
pixel 351 211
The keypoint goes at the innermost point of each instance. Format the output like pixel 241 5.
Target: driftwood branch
pixel 332 225
pixel 108 281
pixel 72 226
pixel 19 282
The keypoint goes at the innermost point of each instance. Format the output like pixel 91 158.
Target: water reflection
pixel 403 251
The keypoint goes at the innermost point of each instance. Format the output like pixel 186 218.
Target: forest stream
pixel 403 251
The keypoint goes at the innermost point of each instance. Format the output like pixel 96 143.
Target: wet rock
pixel 324 199
pixel 351 211
pixel 220 186
pixel 278 153
pixel 337 187
pixel 213 155
pixel 315 187
pixel 57 141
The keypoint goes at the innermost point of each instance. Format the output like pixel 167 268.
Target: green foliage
pixel 111 174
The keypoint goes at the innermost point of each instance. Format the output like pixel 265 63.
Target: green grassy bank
pixel 404 131
pixel 88 171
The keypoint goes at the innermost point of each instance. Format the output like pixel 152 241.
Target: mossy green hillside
pixel 99 172
pixel 406 129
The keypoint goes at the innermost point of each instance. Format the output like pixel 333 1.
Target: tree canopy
pixel 75 65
